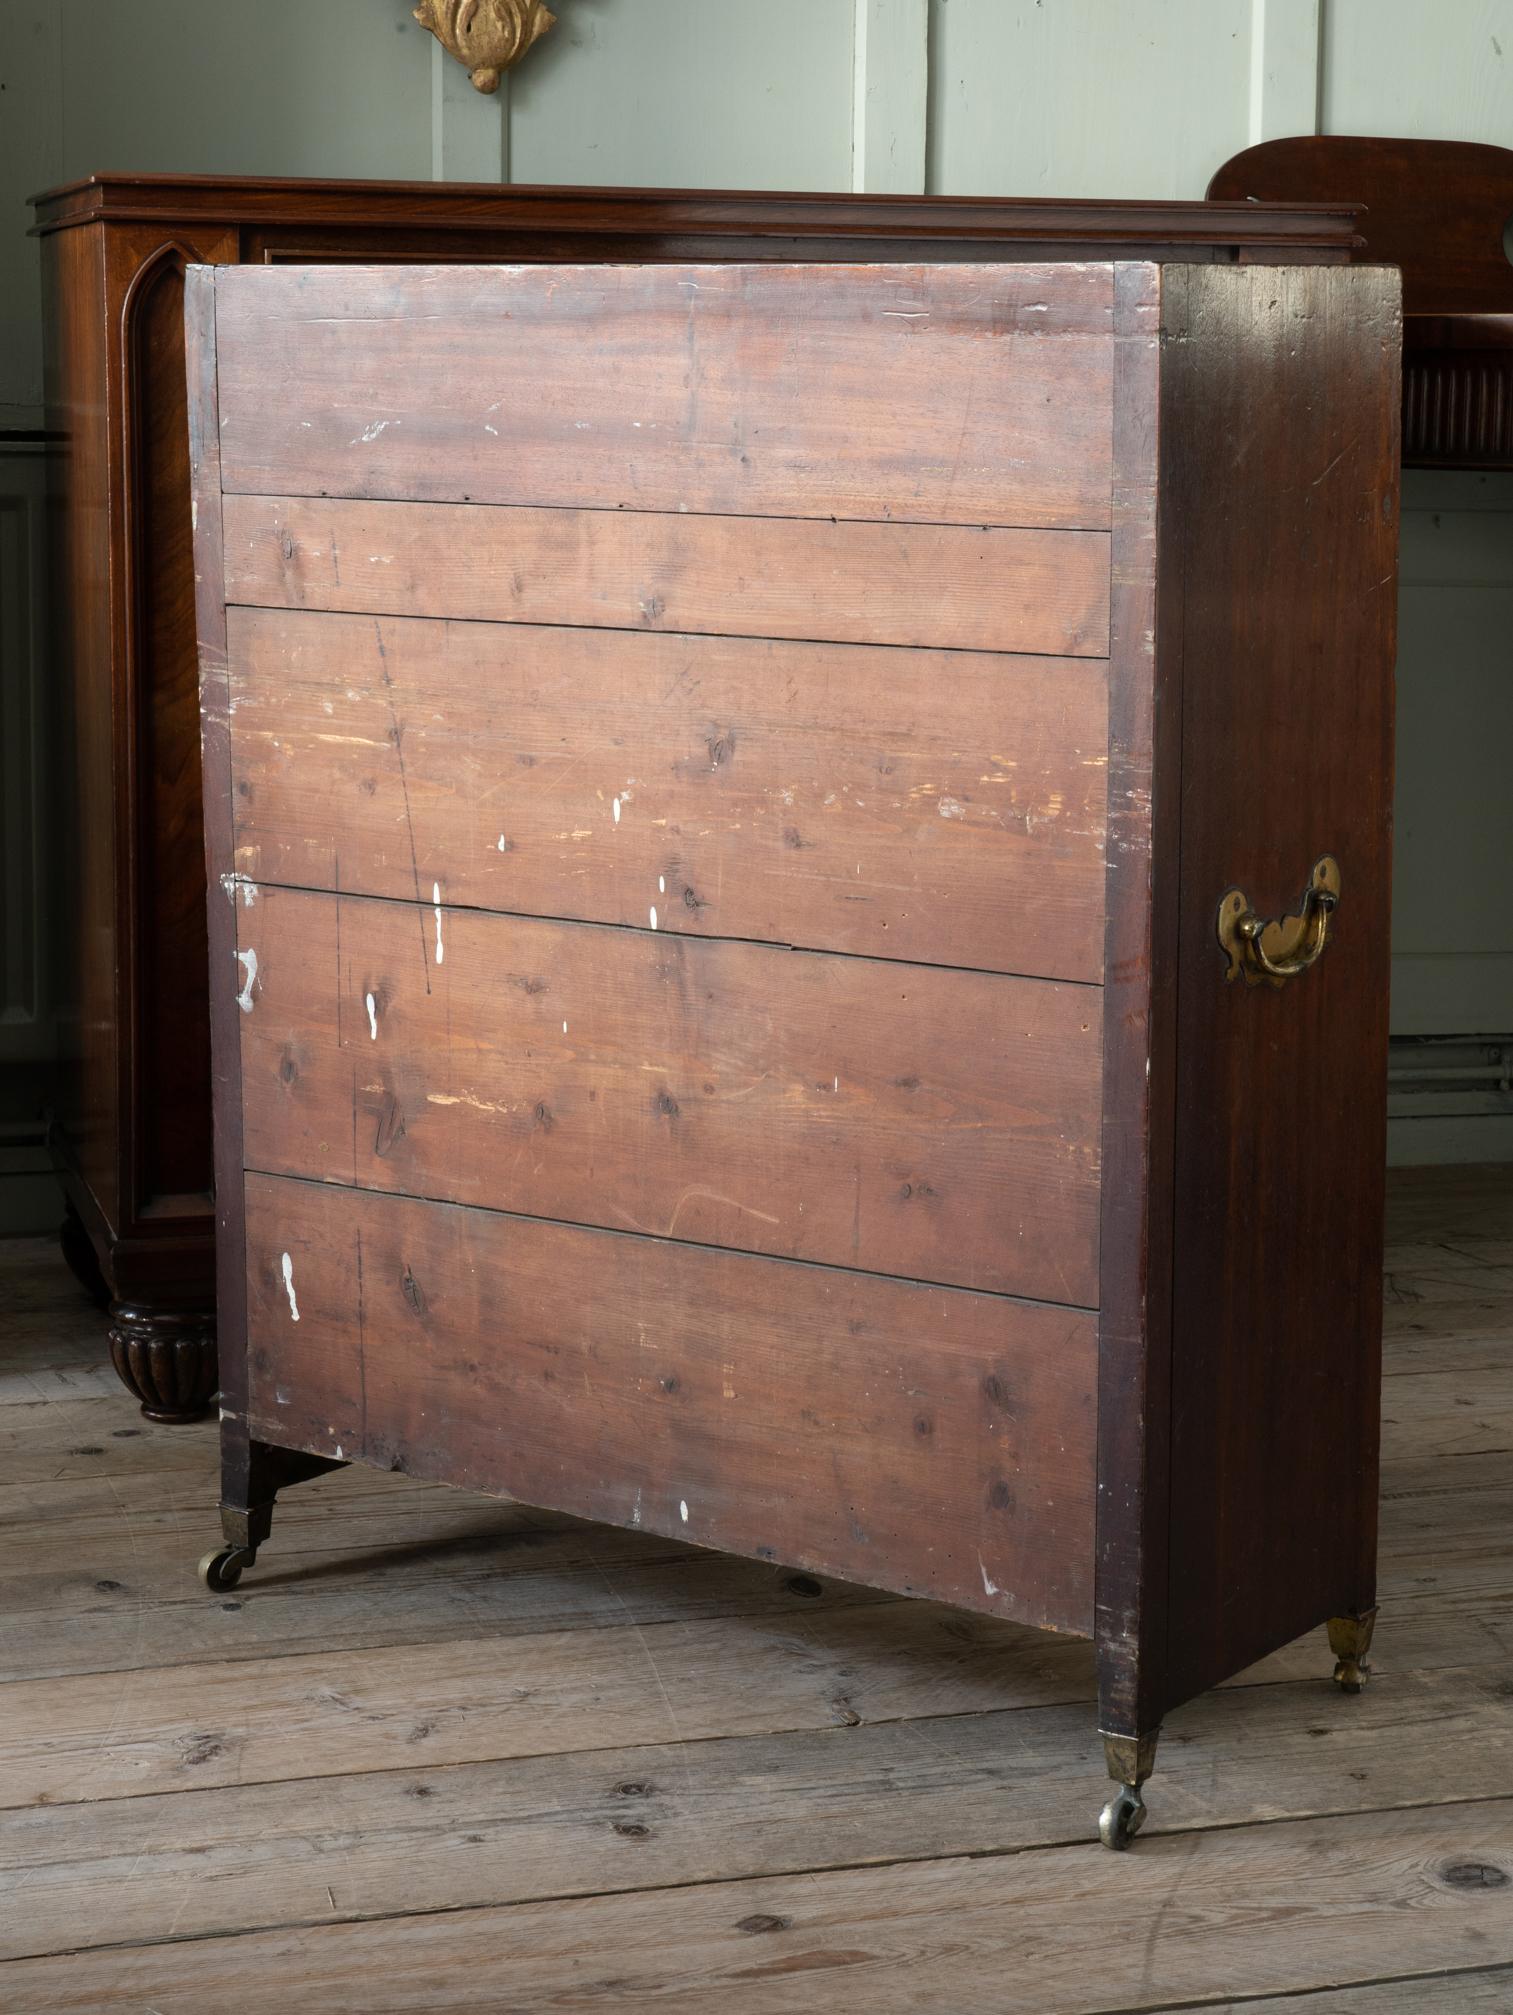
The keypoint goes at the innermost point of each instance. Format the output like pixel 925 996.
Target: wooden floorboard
pixel 439 1752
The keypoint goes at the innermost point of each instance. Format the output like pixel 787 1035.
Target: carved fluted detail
pixel 487 37
pixel 167 1358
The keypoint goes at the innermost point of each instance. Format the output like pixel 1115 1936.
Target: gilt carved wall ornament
pixel 487 37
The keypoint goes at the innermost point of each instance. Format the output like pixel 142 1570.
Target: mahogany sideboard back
pixel 132 1131
pixel 1442 211
pixel 798 919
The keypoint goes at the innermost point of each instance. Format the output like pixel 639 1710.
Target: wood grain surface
pixel 741 389
pixel 957 587
pixel 911 1120
pixel 802 793
pixel 921 1439
pixel 1289 624
pixel 428 1717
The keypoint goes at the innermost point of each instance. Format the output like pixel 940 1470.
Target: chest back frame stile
pixel 798 869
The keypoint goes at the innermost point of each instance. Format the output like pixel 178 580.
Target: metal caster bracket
pixel 1131 1759
pixel 1350 1641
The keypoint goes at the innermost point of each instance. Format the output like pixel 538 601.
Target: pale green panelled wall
pixel 1017 97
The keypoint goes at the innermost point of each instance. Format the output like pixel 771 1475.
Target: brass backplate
pixel 1278 950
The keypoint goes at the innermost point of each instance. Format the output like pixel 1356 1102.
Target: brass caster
pixel 222 1569
pixel 1350 1640
pixel 1122 1818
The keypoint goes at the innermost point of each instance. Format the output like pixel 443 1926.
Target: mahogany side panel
pixel 170 958
pixel 909 1120
pixel 1139 1031
pixel 799 793
pixel 742 389
pixel 1280 438
pixel 921 1439
pixel 946 586
pixel 94 1069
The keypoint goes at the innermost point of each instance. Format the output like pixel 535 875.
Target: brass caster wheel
pixel 1351 1676
pixel 1122 1818
pixel 222 1569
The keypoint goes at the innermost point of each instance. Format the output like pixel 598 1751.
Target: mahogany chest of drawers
pixel 131 1123
pixel 798 919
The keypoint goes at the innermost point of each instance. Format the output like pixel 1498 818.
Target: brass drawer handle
pixel 1288 945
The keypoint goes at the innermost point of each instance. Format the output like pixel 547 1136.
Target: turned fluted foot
pixel 166 1359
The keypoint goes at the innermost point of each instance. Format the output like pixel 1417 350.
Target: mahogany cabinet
pixel 132 1131
pixel 798 913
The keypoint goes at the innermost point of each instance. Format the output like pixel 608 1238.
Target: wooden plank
pixel 930 586
pixel 900 1119
pixel 334 1711
pixel 997 1935
pixel 924 392
pixel 1482 1992
pixel 416 1839
pixel 469 1699
pixel 733 1401
pixel 90 1437
pixel 1452 1412
pixel 95 1573
pixel 807 794
pixel 398 1564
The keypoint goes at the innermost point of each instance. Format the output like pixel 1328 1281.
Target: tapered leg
pixel 1131 1759
pixel 252 1475
pixel 1350 1641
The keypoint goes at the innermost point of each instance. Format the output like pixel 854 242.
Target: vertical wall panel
pixel 1086 97
pixel 688 93
pixel 1422 71
pixel 1452 929
pixel 285 87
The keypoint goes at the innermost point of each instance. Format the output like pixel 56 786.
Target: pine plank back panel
pixel 721 1018
pixel 631 673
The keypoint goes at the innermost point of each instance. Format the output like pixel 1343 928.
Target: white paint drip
pixel 233 883
pixel 950 808
pixel 372 1007
pixel 683 1510
pixel 653 917
pixel 372 433
pixel 289 1288
pixel 504 845
pixel 662 885
pixel 989 1586
pixel 564 1028
pixel 248 962
pixel 616 810
pixel 436 904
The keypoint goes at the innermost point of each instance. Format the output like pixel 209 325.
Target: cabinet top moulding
pixel 1224 231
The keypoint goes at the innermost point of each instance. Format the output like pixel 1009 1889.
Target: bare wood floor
pixel 439 1753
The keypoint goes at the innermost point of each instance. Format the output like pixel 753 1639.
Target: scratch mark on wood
pixel 404 784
